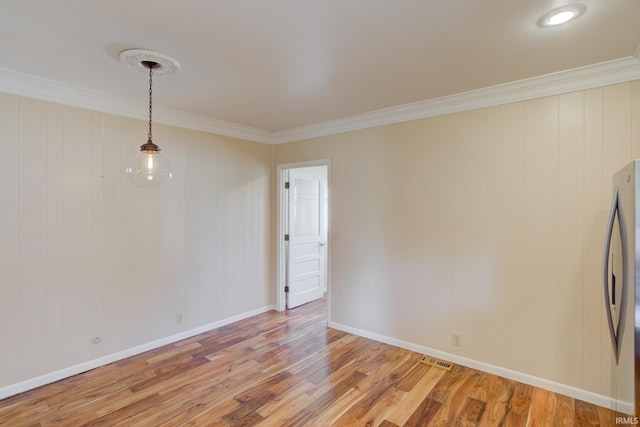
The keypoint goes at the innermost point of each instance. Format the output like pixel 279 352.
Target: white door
pixel 306 231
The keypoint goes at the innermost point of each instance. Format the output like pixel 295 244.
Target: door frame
pixel 281 260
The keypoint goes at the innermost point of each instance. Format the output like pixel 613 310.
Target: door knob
pixel 323 243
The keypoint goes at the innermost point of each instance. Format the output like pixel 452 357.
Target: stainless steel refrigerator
pixel 622 288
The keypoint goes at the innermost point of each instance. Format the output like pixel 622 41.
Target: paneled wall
pixel 83 253
pixel 487 224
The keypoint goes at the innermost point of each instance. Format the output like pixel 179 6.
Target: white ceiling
pixel 275 65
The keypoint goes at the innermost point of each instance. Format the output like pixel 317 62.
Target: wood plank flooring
pixel 289 369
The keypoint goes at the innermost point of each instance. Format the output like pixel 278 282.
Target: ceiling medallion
pixel 135 59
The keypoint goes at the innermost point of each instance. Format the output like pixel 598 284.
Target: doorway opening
pixel 302 270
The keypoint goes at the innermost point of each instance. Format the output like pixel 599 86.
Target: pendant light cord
pixel 150 97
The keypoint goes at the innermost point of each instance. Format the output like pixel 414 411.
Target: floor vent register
pixel 431 361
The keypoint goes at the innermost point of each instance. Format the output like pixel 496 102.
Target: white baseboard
pixel 576 393
pixel 51 377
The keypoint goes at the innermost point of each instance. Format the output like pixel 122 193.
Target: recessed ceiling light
pixel 562 15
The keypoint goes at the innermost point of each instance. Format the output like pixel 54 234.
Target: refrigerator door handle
pixel 605 263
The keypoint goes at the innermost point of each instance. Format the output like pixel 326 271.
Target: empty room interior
pixel 319 213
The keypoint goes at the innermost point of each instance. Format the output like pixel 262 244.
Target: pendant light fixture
pixel 148 167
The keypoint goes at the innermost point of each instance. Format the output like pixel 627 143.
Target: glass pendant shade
pixel 148 168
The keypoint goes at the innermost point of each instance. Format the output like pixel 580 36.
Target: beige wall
pixel 83 253
pixel 488 224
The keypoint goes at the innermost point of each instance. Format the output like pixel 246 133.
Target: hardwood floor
pixel 289 369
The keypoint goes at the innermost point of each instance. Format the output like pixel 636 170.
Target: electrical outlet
pixel 457 340
pixel 178 319
pixel 97 339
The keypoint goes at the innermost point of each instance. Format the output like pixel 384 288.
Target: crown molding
pixel 207 124
pixel 601 74
pixel 49 90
